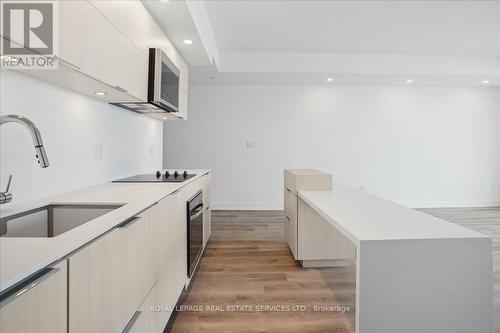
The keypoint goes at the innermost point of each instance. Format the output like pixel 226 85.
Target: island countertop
pixel 23 256
pixel 364 217
pixel 406 257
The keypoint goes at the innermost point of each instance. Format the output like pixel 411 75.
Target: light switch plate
pixel 98 151
pixel 251 144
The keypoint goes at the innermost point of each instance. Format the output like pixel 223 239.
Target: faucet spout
pixel 41 155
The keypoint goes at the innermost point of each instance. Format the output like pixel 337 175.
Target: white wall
pixel 70 125
pixel 420 146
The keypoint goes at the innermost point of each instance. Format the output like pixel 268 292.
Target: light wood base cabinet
pixel 290 223
pixel 128 279
pixel 311 239
pixel 318 240
pixel 41 308
pixel 207 215
pixel 156 308
pixel 109 278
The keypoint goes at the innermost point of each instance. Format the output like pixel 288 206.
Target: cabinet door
pixel 207 225
pixel 318 239
pixel 108 56
pixel 73 19
pixel 42 308
pixel 183 104
pixel 206 184
pixel 108 279
pixel 158 305
pixel 290 223
pixel 179 232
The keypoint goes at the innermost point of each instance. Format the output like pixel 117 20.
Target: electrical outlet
pixel 151 151
pixel 363 188
pixel 98 151
pixel 251 144
pixel 495 187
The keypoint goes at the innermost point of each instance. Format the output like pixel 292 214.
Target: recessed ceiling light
pixel 165 118
pixel 486 81
pixel 188 41
pixel 329 79
pixel 409 81
pixel 100 93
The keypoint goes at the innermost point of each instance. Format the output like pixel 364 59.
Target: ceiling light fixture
pixel 100 93
pixel 165 118
pixel 409 81
pixel 188 41
pixel 329 79
pixel 486 81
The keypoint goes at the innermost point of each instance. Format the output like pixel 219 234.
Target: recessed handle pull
pixel 128 222
pixel 11 294
pixel 132 322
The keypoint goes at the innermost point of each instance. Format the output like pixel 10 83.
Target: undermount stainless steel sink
pixel 51 220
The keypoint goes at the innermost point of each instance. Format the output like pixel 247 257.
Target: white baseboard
pixel 247 206
pixel 452 204
pixel 412 204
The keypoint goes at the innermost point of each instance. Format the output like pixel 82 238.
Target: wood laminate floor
pixel 248 281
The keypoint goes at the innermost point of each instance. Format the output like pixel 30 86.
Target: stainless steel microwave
pixel 163 86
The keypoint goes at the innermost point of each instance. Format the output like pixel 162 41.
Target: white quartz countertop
pixel 364 217
pixel 21 257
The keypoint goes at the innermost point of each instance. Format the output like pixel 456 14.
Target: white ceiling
pixel 175 20
pixel 357 42
pixel 389 27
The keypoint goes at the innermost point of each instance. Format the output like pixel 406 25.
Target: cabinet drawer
pixel 157 307
pixel 290 204
pixel 42 307
pixel 109 278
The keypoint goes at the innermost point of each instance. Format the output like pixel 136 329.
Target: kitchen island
pixel 414 272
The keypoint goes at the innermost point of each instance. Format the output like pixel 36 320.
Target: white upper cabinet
pixel 104 46
pixel 135 22
pixel 98 49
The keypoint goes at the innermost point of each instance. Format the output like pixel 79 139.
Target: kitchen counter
pixel 363 217
pixel 414 272
pixel 21 257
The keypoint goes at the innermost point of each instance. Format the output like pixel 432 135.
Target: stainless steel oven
pixel 194 231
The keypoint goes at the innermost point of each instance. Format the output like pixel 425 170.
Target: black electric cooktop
pixel 166 177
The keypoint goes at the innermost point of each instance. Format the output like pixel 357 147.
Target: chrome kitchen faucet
pixel 41 155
